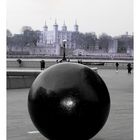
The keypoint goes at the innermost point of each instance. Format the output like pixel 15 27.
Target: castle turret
pixel 45 27
pixel 45 33
pixel 76 27
pixel 55 26
pixel 64 27
pixel 55 29
pixel 55 39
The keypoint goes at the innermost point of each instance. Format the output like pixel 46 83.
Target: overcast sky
pixel 113 17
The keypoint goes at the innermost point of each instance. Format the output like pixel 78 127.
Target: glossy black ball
pixel 69 102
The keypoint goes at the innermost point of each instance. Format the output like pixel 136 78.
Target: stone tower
pixel 55 31
pixel 64 27
pixel 45 34
pixel 76 27
pixel 56 42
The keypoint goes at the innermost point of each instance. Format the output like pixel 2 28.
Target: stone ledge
pixel 23 78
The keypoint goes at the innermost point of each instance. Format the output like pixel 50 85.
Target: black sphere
pixel 69 102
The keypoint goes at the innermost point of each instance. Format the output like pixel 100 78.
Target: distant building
pixel 113 46
pixel 55 38
pixel 51 43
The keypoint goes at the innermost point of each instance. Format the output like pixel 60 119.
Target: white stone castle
pixel 52 41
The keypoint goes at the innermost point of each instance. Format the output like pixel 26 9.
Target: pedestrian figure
pixel 80 61
pixel 117 66
pixel 42 64
pixel 129 68
pixel 19 62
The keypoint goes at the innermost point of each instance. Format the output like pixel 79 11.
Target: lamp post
pixel 64 57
